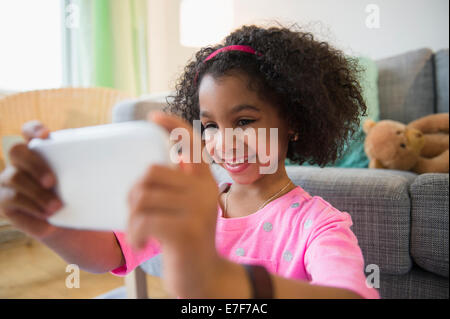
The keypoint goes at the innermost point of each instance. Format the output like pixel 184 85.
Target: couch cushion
pixel 406 86
pixel 441 70
pixel 417 284
pixel 429 222
pixel 353 154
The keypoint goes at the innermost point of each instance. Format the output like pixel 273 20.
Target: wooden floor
pixel 28 269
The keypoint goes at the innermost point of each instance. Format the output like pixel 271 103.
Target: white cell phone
pixel 96 168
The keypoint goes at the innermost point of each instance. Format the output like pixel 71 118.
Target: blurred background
pixel 141 46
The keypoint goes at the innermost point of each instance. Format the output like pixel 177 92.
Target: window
pixel 30 44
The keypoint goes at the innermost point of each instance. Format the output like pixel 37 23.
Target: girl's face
pixel 227 102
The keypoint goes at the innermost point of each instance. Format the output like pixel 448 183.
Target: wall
pixel 167 56
pixel 404 25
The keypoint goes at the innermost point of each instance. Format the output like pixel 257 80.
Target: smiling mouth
pixel 234 165
pixel 237 166
pixel 236 162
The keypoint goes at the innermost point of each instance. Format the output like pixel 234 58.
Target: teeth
pixel 237 162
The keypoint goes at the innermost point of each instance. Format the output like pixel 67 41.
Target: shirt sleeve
pixel 134 258
pixel 333 257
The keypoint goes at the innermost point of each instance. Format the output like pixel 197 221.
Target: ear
pixel 368 124
pixel 293 136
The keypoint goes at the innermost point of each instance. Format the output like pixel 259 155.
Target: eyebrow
pixel 235 109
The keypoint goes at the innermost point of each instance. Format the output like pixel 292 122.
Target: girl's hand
pixel 26 197
pixel 177 206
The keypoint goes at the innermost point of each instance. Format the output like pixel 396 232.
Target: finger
pixel 22 182
pixel 26 223
pixel 142 226
pixel 138 231
pixel 171 122
pixel 154 200
pixel 34 129
pixel 10 199
pixel 161 175
pixel 32 163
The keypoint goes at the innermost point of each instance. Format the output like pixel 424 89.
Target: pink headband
pixel 242 48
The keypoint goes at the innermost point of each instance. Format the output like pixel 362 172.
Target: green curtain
pixel 105 44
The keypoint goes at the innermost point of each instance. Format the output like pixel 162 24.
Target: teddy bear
pixel 422 146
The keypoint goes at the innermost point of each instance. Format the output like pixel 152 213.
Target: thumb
pixel 190 140
pixel 34 129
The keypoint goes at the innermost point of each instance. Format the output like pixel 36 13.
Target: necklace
pixel 264 204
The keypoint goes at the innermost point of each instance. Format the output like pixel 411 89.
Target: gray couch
pixel 400 219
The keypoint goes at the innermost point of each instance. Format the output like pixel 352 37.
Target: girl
pixel 256 79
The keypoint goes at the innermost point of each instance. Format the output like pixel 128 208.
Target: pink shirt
pixel 295 236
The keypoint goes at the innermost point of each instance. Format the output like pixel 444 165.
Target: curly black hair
pixel 313 85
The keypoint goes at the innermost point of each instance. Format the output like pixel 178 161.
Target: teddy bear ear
pixel 368 124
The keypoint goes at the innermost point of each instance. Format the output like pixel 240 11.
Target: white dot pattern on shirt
pixel 240 252
pixel 267 226
pixel 287 255
pixel 308 223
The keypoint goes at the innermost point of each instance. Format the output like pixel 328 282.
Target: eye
pixel 245 122
pixel 399 132
pixel 403 145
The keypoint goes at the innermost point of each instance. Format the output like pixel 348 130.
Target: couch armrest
pixel 429 222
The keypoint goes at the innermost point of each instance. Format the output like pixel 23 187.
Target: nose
pixel 413 133
pixel 221 146
pixel 415 138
